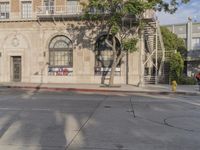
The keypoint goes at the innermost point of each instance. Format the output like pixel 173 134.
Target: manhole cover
pixel 189 123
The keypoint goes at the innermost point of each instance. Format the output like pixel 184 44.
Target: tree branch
pixel 120 57
pixel 107 38
pixel 133 33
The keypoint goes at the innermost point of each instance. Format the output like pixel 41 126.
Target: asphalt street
pixel 53 120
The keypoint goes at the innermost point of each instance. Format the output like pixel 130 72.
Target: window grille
pixel 60 56
pixel 60 52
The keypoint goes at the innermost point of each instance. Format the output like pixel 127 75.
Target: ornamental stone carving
pixel 15 41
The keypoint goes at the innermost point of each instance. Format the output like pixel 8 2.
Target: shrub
pixel 187 80
pixel 176 66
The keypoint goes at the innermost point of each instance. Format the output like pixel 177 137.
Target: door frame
pixel 12 68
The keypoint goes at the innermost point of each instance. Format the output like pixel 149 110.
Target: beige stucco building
pixel 44 41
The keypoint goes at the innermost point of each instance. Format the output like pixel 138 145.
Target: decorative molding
pixel 15 41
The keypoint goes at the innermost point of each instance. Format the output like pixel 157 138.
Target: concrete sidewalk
pixel 159 88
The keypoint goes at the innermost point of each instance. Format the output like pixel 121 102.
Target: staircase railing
pixel 155 53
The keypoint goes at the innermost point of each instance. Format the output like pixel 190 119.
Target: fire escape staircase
pixel 154 55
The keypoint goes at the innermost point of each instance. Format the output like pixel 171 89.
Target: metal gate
pixel 16 68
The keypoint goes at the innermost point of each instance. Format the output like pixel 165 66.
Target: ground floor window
pixel 104 56
pixel 60 56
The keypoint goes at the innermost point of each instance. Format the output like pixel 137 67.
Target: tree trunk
pixel 112 73
pixel 114 63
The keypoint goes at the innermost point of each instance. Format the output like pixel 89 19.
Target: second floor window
pixel 26 9
pixel 73 7
pixel 49 6
pixel 4 10
pixel 195 43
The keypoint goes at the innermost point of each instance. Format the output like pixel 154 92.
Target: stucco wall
pixel 30 40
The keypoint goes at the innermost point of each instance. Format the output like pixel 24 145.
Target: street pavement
pixel 151 88
pixel 38 119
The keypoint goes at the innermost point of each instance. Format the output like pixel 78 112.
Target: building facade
pixel 44 41
pixel 190 33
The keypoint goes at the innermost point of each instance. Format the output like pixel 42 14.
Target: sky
pixel 191 9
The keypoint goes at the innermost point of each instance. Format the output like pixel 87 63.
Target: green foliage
pixel 112 14
pixel 118 9
pixel 183 51
pixel 176 66
pixel 130 44
pixel 136 7
pixel 173 43
pixel 169 39
pixel 114 29
pixel 169 5
pixel 187 80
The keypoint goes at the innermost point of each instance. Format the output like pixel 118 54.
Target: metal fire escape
pixel 154 54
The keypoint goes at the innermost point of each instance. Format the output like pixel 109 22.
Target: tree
pixel 173 43
pixel 114 15
pixel 176 66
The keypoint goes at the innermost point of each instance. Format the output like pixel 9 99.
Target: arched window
pixel 104 54
pixel 60 52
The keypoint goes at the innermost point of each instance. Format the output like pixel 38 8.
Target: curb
pixel 99 90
